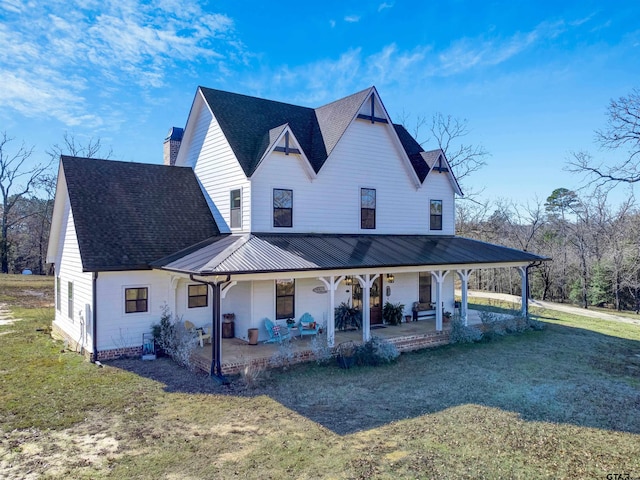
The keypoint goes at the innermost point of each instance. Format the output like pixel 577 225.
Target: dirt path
pixel 560 307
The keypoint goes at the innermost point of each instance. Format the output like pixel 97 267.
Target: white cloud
pixel 352 18
pixel 385 5
pixel 106 42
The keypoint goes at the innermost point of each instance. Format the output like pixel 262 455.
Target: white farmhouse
pixel 266 210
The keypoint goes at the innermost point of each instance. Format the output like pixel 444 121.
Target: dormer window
pixel 282 208
pixel 367 208
pixel 235 214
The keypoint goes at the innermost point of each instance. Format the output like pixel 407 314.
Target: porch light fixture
pixel 390 278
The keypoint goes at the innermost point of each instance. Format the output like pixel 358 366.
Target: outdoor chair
pixel 307 326
pixel 203 335
pixel 276 333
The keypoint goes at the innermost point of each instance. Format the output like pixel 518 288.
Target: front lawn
pixel 560 403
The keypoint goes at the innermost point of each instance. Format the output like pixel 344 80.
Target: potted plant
pixel 229 317
pixel 447 316
pixel 392 313
pixel 348 317
pixel 346 354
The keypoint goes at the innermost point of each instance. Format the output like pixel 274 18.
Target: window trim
pixel 273 203
pixel 58 294
pixel 70 301
pixel 293 298
pixel 136 287
pixel 374 209
pixel 189 296
pixel 239 209
pixel 432 216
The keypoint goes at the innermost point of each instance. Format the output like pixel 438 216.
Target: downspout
pixel 94 326
pixel 216 345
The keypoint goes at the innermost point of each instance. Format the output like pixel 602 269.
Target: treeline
pixel 594 247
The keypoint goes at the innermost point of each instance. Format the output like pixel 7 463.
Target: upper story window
pixel 282 208
pixel 236 209
pixel 197 296
pixel 285 298
pixel 70 300
pixel 136 300
pixel 435 218
pixel 367 208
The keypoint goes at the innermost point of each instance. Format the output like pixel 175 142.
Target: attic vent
pixel 287 149
pixel 372 118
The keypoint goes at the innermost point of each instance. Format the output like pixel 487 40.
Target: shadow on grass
pixel 562 374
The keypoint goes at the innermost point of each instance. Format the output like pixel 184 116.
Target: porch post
pixel 439 276
pixel 173 284
pixel 366 283
pixel 524 276
pixel 464 302
pixel 332 285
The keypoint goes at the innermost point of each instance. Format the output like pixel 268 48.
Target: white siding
pixel 199 316
pixel 208 152
pixel 238 301
pixel 439 188
pixel 366 157
pixel 69 269
pixel 117 329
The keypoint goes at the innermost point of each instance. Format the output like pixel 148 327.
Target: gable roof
pixel 266 252
pixel 127 215
pixel 250 124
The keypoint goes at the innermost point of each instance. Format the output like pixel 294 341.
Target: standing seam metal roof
pixel 264 252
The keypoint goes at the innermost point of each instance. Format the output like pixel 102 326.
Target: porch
pixel 236 353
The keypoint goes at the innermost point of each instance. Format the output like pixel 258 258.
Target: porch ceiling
pixel 267 252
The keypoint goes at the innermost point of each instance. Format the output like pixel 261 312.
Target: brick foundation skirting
pixel 129 352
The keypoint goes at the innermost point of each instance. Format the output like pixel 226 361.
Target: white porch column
pixel 525 289
pixel 439 277
pixel 464 303
pixel 332 284
pixel 366 284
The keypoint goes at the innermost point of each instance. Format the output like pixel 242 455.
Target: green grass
pixel 560 403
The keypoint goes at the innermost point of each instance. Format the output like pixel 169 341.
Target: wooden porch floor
pixel 238 352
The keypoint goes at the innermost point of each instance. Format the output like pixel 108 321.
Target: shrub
pixel 492 326
pixel 321 351
pixel 283 357
pixel 461 333
pixel 251 374
pixel 174 339
pixel 347 317
pixel 376 351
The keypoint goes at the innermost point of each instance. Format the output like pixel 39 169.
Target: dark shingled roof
pixel 129 214
pixel 247 123
pixel 266 252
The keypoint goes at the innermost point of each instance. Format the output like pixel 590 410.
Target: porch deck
pixel 237 353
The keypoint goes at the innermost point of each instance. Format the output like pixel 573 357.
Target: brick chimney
pixel 172 145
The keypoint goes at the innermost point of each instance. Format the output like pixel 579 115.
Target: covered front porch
pixel 237 353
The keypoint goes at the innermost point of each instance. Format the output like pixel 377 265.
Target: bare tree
pixel 71 146
pixel 16 181
pixel 622 133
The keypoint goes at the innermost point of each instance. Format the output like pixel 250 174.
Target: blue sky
pixel 533 79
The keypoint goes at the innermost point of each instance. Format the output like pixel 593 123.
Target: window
pixel 282 208
pixel 70 300
pixel 285 296
pixel 236 210
pixel 58 291
pixel 435 209
pixel 424 288
pixel 197 296
pixel 136 300
pixel 367 208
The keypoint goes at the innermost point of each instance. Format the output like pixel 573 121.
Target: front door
pixel 375 300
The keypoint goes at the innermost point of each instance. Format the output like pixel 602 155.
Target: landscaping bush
pixel 174 339
pixel 461 333
pixel 392 313
pixel 321 351
pixel 376 351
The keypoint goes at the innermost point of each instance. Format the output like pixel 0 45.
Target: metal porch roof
pixel 266 252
